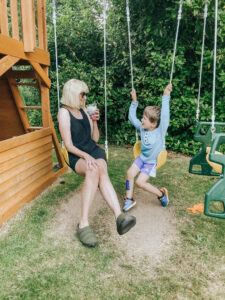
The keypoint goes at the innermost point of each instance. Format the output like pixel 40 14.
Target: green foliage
pixel 153 27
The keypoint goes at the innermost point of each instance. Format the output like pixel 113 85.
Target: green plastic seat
pixel 204 135
pixel 217 191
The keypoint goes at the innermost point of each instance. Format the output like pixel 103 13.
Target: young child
pixel 153 127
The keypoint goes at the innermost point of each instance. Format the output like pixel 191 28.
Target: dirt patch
pixel 151 237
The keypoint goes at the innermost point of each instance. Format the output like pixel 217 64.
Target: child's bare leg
pixel 131 173
pixel 142 183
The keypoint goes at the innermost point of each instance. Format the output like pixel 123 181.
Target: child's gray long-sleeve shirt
pixel 152 142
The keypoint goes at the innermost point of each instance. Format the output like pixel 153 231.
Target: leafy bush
pixel 153 26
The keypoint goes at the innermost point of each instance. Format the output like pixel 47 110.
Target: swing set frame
pixel 26 157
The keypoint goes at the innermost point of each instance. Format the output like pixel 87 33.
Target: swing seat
pixel 162 157
pixel 137 149
pixel 217 191
pixel 203 134
pixel 65 154
pixel 216 167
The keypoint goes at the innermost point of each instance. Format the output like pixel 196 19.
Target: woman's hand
pixel 90 162
pixel 96 115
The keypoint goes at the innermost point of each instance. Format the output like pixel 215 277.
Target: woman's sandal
pixel 125 223
pixel 87 236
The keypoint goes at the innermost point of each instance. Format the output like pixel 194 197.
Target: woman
pixel 80 134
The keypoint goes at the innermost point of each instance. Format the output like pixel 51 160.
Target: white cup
pixel 91 108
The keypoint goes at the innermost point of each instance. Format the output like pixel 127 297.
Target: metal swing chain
pixel 214 68
pixel 105 76
pixel 176 38
pixel 130 52
pixel 201 64
pixel 56 50
pixel 129 40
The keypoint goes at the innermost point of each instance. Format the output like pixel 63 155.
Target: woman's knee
pixel 102 167
pixel 93 174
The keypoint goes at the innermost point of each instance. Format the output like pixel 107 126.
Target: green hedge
pixel 153 26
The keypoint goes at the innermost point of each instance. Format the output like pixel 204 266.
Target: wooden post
pixel 44 26
pixel 4 26
pixel 14 19
pixel 40 24
pixel 45 103
pixel 27 25
pixel 19 103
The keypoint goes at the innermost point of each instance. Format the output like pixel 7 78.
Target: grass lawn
pixel 34 266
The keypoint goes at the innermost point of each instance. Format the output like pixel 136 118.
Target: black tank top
pixel 81 133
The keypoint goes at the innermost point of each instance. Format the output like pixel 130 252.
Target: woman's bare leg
pixel 107 189
pixel 89 189
pixel 131 173
pixel 142 183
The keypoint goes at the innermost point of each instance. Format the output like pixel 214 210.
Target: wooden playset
pixel 26 151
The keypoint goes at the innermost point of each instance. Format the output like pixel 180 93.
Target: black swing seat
pixel 217 191
pixel 203 134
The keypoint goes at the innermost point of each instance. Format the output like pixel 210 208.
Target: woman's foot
pixel 87 236
pixel 125 223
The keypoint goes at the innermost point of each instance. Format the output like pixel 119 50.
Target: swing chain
pixel 56 50
pixel 176 38
pixel 129 41
pixel 201 63
pixel 206 9
pixel 214 68
pixel 105 79
pixel 180 12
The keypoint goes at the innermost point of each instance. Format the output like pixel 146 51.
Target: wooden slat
pixel 14 19
pixel 57 147
pixel 40 24
pixel 19 103
pixel 61 171
pixel 4 26
pixel 4 197
pixel 24 155
pixel 34 128
pixel 21 175
pixel 25 196
pixel 24 139
pixel 20 197
pixel 23 149
pixel 41 73
pixel 15 48
pixel 44 25
pixel 26 84
pixel 6 63
pixel 32 107
pixel 22 74
pixel 34 23
pixel 46 115
pixel 27 23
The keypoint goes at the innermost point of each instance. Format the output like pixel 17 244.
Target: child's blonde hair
pixel 71 92
pixel 153 114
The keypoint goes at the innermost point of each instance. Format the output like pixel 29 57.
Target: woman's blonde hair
pixel 153 114
pixel 71 92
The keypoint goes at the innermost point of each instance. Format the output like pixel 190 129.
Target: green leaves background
pixel 153 27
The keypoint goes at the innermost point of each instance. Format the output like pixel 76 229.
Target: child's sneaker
pixel 128 204
pixel 164 199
